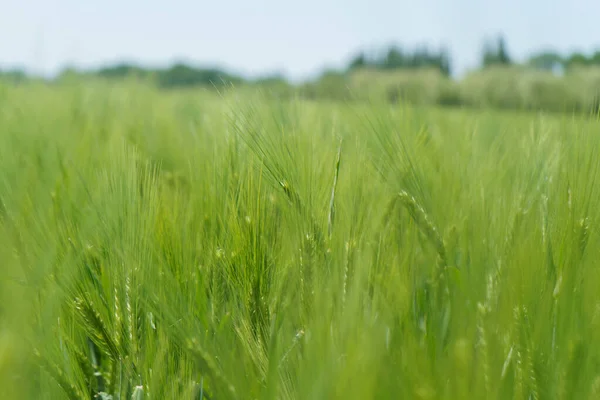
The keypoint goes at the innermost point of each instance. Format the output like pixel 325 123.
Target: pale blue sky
pixel 260 36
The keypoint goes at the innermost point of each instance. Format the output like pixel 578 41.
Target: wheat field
pixel 193 245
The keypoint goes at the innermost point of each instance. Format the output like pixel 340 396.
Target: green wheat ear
pixel 424 223
pixel 138 393
pixel 96 327
pixel 583 234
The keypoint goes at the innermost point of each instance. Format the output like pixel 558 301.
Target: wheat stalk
pixel 331 215
pixel 533 385
pixel 209 367
pixel 483 346
pixel 130 317
pixel 72 392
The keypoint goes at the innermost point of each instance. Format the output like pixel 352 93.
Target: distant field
pixel 195 246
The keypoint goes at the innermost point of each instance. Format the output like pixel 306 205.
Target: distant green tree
pixel 394 59
pixel 181 75
pixel 14 75
pixel 420 57
pixel 122 70
pixel 595 58
pixel 503 57
pixel 397 58
pixel 547 60
pixel 577 59
pixel 445 61
pixel 359 61
pixel 495 53
pixel 178 75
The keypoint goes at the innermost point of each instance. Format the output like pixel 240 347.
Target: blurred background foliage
pixel 545 81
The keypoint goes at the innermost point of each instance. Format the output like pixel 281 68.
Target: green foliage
pixel 546 61
pixel 495 53
pixel 547 81
pixel 549 60
pixel 13 76
pixel 176 76
pixel 331 85
pixel 123 70
pixel 181 75
pixel 183 245
pixel 425 86
pixel 396 58
pixel 526 89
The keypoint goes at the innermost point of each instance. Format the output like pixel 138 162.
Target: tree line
pixel 419 75
pixel 178 75
pixel 394 57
